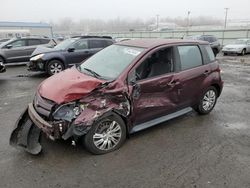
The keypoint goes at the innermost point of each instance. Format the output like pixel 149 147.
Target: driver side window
pixel 159 63
pixel 18 43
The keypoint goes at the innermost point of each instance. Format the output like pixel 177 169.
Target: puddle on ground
pixel 240 125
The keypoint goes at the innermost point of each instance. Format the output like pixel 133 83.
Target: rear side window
pixel 190 57
pixel 97 44
pixel 109 42
pixel 32 42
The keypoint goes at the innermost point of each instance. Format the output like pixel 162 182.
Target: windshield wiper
pixel 93 72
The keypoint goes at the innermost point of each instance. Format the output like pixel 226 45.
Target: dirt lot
pixel 191 151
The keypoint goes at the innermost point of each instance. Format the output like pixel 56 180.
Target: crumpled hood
pixel 235 46
pixel 43 49
pixel 68 86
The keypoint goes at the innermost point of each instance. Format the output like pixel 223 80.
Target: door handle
pixel 173 83
pixel 206 72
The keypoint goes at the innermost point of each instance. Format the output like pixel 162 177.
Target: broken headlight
pixel 68 111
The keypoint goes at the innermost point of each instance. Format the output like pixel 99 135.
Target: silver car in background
pixel 239 47
pixel 19 49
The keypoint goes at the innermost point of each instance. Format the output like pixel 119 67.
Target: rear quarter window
pixel 190 57
pixel 109 42
pixel 208 54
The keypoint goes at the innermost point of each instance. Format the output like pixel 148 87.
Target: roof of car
pixel 16 38
pixel 151 43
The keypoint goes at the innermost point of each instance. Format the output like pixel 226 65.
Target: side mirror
pixel 132 78
pixel 9 46
pixel 71 49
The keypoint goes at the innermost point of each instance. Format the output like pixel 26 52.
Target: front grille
pixel 43 106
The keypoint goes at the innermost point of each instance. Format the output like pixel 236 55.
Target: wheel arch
pixel 4 59
pixel 124 118
pixel 218 88
pixel 53 59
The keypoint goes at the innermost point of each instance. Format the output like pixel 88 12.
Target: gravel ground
pixel 190 151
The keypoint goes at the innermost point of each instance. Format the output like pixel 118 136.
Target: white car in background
pixel 240 46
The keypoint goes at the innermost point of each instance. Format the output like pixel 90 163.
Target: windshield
pixel 6 42
pixel 64 44
pixel 240 41
pixel 110 62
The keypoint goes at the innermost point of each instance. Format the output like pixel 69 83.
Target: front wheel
pixel 106 135
pixel 208 101
pixel 1 60
pixel 54 67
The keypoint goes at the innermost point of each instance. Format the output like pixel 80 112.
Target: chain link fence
pixel 225 36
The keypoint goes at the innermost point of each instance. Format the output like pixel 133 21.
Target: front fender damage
pixel 98 106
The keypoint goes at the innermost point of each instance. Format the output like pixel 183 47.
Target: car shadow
pixel 34 75
pixel 65 148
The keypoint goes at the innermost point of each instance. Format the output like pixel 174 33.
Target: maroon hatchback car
pixel 124 88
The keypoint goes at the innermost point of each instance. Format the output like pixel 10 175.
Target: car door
pixel 15 51
pixel 155 90
pixel 192 74
pixel 77 52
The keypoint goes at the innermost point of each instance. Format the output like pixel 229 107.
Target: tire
pixel 101 133
pixel 243 52
pixel 225 54
pixel 207 101
pixel 54 67
pixel 2 60
pixel 216 51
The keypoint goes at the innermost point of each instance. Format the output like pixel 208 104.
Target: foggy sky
pixel 54 10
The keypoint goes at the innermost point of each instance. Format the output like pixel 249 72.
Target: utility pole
pixel 225 24
pixel 157 22
pixel 188 20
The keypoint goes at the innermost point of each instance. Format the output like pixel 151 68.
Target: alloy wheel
pixel 56 68
pixel 107 135
pixel 209 100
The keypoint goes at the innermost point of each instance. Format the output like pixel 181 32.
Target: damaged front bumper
pixel 28 130
pixel 26 135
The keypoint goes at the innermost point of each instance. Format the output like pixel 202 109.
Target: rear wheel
pixel 106 135
pixel 54 67
pixel 207 101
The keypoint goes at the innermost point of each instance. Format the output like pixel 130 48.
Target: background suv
pixel 19 49
pixel 213 41
pixel 68 52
